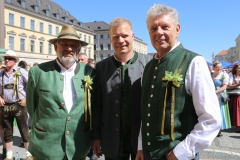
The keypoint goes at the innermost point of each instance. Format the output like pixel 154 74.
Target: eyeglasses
pixel 65 45
pixel 9 58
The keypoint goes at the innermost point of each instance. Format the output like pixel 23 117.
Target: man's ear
pixel 55 46
pixel 178 29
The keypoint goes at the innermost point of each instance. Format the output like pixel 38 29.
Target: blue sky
pixel 207 26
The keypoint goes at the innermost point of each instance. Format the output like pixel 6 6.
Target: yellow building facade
pixel 27 32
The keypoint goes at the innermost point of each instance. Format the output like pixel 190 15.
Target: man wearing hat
pixel 13 83
pixel 58 101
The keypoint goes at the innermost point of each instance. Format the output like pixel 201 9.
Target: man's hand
pixel 171 156
pixel 2 102
pixel 140 155
pixel 23 102
pixel 96 148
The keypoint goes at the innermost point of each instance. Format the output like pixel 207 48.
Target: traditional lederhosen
pixel 14 110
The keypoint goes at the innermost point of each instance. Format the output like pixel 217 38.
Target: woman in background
pixel 220 80
pixel 234 81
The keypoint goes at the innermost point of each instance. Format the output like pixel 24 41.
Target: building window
pixel 49 6
pixel 23 3
pixel 89 53
pixel 108 36
pixel 85 51
pixel 57 31
pixel 8 1
pixel 39 2
pixel 32 46
pixel 80 24
pixel 89 39
pixel 22 44
pixel 94 36
pixel 85 39
pixel 41 47
pixel 80 35
pixel 47 13
pixel 74 22
pixel 101 46
pixel 57 15
pixel 66 19
pixel 41 27
pixel 94 47
pixel 11 43
pixel 101 56
pixel 49 48
pixel 101 36
pixel 109 46
pixel 36 8
pixel 32 24
pixel 49 29
pixel 22 22
pixel 109 55
pixel 67 13
pixel 60 10
pixel 11 19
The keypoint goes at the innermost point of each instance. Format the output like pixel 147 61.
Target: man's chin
pixel 67 61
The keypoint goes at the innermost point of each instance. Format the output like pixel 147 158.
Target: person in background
pixel 13 83
pixel 179 107
pixel 58 102
pixel 211 69
pixel 82 57
pixel 91 62
pixel 220 80
pixel 116 115
pixel 34 64
pixel 27 68
pixel 234 82
pixel 2 67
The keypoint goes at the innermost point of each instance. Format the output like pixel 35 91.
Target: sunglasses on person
pixel 9 58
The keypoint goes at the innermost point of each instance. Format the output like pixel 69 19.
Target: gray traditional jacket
pixel 106 111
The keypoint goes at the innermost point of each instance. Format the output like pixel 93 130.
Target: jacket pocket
pixel 43 90
pixel 39 129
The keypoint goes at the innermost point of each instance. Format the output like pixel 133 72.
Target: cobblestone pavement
pixel 226 147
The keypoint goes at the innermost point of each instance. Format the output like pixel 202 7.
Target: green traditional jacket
pixel 55 132
pixel 159 136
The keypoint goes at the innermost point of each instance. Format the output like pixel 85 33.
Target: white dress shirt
pixel 69 93
pixel 199 85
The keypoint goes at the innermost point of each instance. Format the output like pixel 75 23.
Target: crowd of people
pixel 165 107
pixel 225 80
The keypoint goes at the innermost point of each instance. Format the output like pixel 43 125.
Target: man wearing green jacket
pixel 58 101
pixel 179 107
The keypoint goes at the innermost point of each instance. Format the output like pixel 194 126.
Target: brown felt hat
pixel 68 32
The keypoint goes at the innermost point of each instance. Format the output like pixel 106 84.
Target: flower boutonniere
pixel 87 98
pixel 177 79
pixel 88 81
pixel 16 75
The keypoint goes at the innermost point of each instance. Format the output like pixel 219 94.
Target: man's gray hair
pixel 159 10
pixel 83 54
